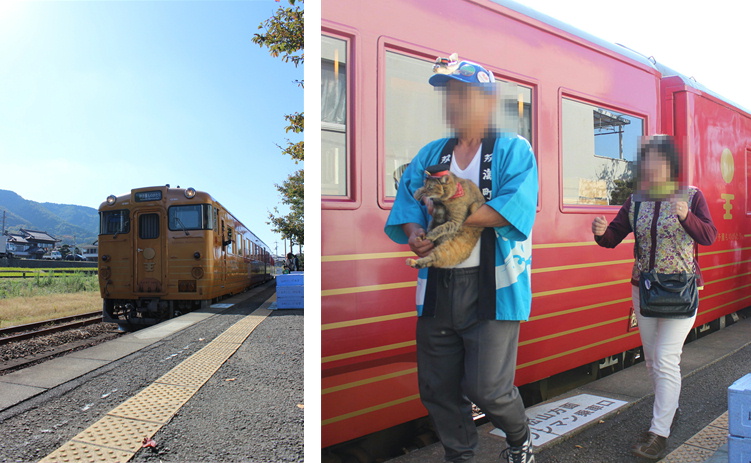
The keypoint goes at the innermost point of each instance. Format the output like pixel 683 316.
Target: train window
pixel 599 151
pixel 414 114
pixel 148 226
pixel 333 117
pixel 193 217
pixel 113 222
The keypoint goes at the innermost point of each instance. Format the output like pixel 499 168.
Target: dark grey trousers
pixel 461 359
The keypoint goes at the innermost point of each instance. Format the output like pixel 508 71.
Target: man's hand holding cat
pixel 417 242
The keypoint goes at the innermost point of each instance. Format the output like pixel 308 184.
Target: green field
pixel 43 282
pixel 31 272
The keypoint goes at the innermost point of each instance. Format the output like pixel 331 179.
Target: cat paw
pixel 412 263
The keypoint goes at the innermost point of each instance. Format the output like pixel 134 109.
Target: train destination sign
pixel 552 420
pixel 143 196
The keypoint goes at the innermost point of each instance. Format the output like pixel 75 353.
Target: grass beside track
pixel 22 310
pixel 43 297
pixel 32 272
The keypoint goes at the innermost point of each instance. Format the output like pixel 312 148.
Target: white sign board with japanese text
pixel 554 419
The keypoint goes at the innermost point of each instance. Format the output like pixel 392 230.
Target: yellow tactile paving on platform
pixel 79 451
pixel 193 377
pixel 119 434
pixel 703 444
pixel 157 403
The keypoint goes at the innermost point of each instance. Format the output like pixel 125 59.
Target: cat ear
pixel 445 179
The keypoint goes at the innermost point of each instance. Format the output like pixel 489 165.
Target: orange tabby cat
pixel 454 199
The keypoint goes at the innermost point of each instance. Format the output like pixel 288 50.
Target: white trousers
pixel 662 339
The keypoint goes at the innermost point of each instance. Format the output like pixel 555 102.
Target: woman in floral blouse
pixel 678 220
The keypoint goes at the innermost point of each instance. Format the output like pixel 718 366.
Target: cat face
pixel 442 187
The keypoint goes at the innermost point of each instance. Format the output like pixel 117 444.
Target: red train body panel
pixel 581 296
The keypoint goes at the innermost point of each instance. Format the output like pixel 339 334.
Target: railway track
pixel 33 330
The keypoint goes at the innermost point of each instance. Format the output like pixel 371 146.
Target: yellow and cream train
pixel 166 251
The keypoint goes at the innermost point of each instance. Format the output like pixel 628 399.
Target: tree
pixel 283 35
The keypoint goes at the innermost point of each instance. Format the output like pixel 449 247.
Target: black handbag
pixel 665 295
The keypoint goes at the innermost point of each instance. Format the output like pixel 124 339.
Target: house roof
pixel 18 239
pixel 39 236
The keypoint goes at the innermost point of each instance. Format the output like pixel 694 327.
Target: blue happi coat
pixel 514 196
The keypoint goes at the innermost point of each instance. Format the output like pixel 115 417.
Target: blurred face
pixel 469 109
pixel 656 168
pixel 655 175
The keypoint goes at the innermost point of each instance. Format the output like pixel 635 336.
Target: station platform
pixel 599 422
pixel 188 389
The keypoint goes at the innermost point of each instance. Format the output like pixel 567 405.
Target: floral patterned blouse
pixel 674 250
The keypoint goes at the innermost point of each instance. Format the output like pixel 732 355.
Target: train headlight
pixel 196 255
pixel 111 199
pixel 105 258
pixel 190 193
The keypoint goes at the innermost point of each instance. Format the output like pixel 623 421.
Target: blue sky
pixel 704 40
pixel 100 97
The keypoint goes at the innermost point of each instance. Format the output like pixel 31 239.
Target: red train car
pixel 583 104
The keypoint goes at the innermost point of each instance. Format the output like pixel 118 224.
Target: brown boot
pixel 651 446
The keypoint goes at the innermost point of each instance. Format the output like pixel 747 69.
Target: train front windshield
pixel 193 217
pixel 114 222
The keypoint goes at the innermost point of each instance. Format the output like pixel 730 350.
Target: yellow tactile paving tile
pixel 194 376
pixel 721 421
pixel 710 438
pixel 237 337
pixel 688 454
pixel 157 403
pixel 119 434
pixel 81 452
pixel 703 444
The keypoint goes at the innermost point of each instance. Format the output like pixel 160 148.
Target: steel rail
pixel 31 330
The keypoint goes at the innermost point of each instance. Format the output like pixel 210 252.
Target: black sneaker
pixel 521 454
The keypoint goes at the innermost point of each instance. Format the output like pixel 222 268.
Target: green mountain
pixel 69 223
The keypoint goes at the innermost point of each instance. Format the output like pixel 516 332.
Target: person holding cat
pixel 667 221
pixel 469 314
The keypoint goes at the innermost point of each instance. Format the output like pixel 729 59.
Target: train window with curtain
pixel 114 222
pixel 334 99
pixel 414 113
pixel 599 153
pixel 148 226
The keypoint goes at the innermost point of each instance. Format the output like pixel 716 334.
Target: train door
pixel 149 271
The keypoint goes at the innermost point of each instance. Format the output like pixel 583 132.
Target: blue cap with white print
pixel 463 71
